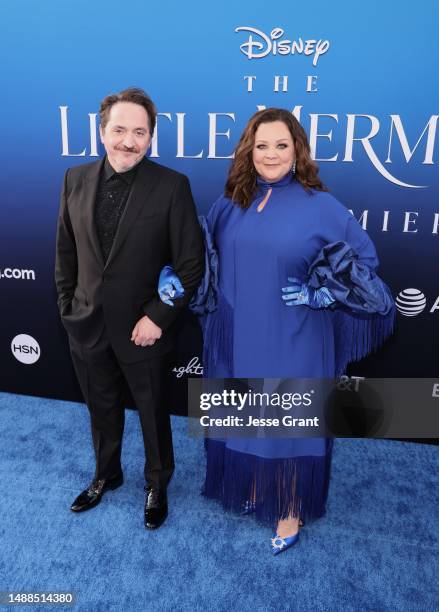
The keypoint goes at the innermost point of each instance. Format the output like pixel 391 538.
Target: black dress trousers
pixel 102 377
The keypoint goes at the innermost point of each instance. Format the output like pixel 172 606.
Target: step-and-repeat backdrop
pixel 362 80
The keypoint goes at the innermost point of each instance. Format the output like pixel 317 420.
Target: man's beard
pixel 131 166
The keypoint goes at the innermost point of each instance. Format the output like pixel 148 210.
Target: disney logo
pixel 193 367
pixel 264 44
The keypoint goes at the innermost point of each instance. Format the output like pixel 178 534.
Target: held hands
pixel 299 293
pixel 145 332
pixel 170 286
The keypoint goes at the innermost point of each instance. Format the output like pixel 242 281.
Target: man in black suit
pixel 121 220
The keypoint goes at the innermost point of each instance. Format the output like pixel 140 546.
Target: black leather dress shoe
pixel 156 507
pixel 92 496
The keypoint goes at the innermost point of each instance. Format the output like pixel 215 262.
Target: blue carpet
pixel 377 549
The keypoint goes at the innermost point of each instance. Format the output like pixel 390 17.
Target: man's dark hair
pixel 134 95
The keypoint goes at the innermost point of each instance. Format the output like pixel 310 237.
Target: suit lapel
pixel 145 179
pixel 90 187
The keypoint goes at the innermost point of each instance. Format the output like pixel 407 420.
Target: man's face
pixel 126 137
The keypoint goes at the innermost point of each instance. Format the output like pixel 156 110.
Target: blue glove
pixel 170 286
pixel 299 294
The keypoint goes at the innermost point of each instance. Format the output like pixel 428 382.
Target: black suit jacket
pixel 159 226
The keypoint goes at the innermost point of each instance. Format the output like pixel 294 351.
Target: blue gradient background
pixel 382 60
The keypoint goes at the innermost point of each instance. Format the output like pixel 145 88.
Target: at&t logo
pixel 411 302
pixel 25 349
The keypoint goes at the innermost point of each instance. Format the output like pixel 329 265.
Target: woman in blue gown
pixel 276 221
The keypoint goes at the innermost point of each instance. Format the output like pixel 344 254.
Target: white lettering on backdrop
pixel 264 44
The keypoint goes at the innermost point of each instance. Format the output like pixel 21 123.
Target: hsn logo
pixel 25 349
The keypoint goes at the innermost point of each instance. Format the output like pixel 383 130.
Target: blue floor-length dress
pixel 253 334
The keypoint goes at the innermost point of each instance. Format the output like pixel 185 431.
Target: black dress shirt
pixel 111 198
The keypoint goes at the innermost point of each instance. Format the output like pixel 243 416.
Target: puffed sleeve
pixel 364 311
pixel 348 269
pixel 205 299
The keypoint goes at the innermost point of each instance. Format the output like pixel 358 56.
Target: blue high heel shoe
pixel 249 507
pixel 279 544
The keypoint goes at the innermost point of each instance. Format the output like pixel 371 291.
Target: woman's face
pixel 273 151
